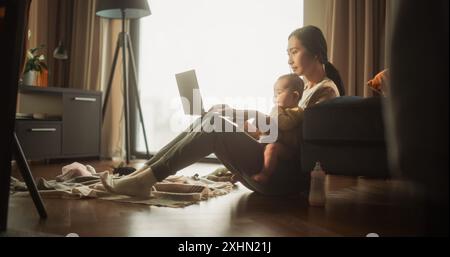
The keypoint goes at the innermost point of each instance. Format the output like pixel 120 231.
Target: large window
pixel 237 47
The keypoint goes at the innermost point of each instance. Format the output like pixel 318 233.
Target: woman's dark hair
pixel 314 42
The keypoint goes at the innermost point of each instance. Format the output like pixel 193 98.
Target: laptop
pixel 190 93
pixel 191 98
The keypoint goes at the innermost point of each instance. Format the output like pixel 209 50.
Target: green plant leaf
pixel 43 65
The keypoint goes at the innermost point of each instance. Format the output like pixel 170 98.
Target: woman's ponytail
pixel 333 74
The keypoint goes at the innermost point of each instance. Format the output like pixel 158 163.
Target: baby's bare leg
pixel 272 153
pixel 270 158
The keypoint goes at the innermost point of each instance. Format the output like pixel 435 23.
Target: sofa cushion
pixel 348 160
pixel 345 119
pixel 345 134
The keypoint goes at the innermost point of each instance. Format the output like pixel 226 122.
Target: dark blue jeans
pixel 239 152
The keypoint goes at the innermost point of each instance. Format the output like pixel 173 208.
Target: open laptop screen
pixel 190 93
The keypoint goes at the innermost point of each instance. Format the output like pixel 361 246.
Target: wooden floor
pixel 355 207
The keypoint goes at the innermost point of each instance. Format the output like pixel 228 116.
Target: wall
pixel 315 11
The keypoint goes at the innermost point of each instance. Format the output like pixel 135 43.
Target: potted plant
pixel 34 66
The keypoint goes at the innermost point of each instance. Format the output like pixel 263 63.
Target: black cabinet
pixel 40 139
pixel 58 122
pixel 81 128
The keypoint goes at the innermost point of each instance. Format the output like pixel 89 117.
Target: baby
pixel 288 91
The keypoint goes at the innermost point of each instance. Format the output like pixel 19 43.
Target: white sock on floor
pixel 137 185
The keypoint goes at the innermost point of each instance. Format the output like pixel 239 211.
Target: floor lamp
pixel 60 53
pixel 121 9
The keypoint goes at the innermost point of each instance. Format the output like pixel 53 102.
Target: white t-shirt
pixel 309 92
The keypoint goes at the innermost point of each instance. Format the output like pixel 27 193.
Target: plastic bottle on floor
pixel 317 189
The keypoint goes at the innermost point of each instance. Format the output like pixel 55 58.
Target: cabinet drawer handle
pixel 43 130
pixel 85 99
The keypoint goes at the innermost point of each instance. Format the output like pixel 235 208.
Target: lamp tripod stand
pixel 124 44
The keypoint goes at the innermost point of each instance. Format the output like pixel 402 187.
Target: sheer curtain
pixel 238 49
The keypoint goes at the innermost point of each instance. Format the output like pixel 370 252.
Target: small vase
pixel 42 78
pixel 29 78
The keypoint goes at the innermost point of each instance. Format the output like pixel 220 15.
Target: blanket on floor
pixel 175 191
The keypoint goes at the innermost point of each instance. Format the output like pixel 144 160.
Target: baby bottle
pixel 317 189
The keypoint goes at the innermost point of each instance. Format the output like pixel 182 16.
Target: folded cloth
pixel 75 170
pixel 177 191
pixel 221 174
pixel 215 188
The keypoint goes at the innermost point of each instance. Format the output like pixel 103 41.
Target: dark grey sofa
pixel 346 134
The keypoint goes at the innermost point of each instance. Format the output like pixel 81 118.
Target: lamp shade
pixel 112 9
pixel 60 52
